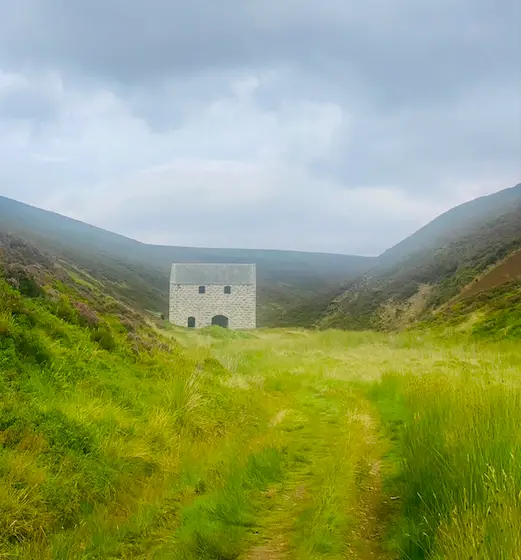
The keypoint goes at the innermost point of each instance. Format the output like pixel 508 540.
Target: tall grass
pixel 458 446
pixel 104 450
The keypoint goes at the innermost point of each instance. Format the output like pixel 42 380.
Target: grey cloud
pixel 381 53
pixel 26 105
pixel 478 135
pixel 395 52
pixel 281 206
pixel 421 98
pixel 20 99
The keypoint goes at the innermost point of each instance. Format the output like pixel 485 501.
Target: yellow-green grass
pixel 456 424
pixel 169 443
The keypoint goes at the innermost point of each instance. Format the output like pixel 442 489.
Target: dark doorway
pixel 220 320
pixel 191 322
pixel 227 289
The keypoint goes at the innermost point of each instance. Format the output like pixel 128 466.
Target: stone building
pixel 213 294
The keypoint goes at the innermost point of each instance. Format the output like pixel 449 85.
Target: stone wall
pixel 239 306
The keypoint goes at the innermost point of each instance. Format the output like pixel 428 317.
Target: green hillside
pixel 139 273
pixel 432 266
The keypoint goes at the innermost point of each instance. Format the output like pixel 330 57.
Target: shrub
pixel 87 316
pixel 104 338
pixel 65 311
pixel 5 324
pixel 28 344
pixel 23 281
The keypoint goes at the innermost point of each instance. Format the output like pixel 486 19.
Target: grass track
pixel 329 502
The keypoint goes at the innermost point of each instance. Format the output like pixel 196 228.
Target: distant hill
pixel 138 273
pixel 432 266
pixel 466 259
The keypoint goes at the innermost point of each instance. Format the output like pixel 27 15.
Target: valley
pixel 387 428
pixel 124 437
pixel 406 284
pixel 260 280
pixel 138 274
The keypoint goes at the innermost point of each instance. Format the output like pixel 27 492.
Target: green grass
pixel 126 439
pixel 455 422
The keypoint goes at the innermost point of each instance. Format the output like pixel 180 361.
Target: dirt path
pixel 331 504
pixel 278 547
pixel 374 507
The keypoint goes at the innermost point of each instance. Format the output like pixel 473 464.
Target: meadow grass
pixel 127 440
pixel 457 451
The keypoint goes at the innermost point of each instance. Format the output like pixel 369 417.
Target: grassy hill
pixel 432 266
pixel 138 273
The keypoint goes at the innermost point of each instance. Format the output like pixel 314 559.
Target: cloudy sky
pixel 328 125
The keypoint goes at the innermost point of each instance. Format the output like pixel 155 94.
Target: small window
pixel 227 289
pixel 202 289
pixel 191 322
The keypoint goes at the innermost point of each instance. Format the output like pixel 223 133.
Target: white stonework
pixel 229 297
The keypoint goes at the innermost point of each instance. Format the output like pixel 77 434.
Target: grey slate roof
pixel 209 273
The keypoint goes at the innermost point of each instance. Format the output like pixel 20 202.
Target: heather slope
pixel 432 266
pixel 490 306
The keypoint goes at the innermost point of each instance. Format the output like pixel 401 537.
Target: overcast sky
pixel 328 125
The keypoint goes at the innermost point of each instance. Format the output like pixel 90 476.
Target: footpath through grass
pixel 123 440
pixel 306 483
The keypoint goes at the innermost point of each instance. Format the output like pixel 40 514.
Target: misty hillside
pixel 138 273
pixel 432 266
pixel 463 249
